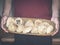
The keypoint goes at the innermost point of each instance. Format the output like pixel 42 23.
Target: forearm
pixel 55 9
pixel 7 7
pixel 55 15
pixel 6 11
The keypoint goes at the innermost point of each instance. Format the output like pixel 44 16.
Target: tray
pixel 23 25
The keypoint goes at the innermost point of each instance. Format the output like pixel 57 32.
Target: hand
pixel 3 22
pixel 56 21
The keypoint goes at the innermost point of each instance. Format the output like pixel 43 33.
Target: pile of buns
pixel 37 26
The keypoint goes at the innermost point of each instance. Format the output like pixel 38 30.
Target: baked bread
pixel 10 20
pixel 34 30
pixel 45 24
pixel 45 28
pixel 42 29
pixel 20 25
pixel 20 28
pixel 29 23
pixel 12 27
pixel 37 22
pixel 27 30
pixel 49 29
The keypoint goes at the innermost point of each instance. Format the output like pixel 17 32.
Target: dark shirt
pixel 33 8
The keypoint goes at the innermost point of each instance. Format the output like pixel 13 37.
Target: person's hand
pixel 3 22
pixel 56 21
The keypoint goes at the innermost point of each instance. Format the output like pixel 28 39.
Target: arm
pixel 6 12
pixel 55 14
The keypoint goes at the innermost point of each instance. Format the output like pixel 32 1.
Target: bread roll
pixel 42 29
pixel 45 24
pixel 12 27
pixel 9 21
pixel 34 30
pixel 27 30
pixel 49 29
pixel 37 22
pixel 29 23
pixel 20 28
pixel 45 28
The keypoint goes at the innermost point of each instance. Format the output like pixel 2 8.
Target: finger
pixel 56 31
pixel 57 25
pixel 4 28
pixel 2 25
pixel 3 20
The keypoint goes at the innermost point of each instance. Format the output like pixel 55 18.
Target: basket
pixel 25 20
